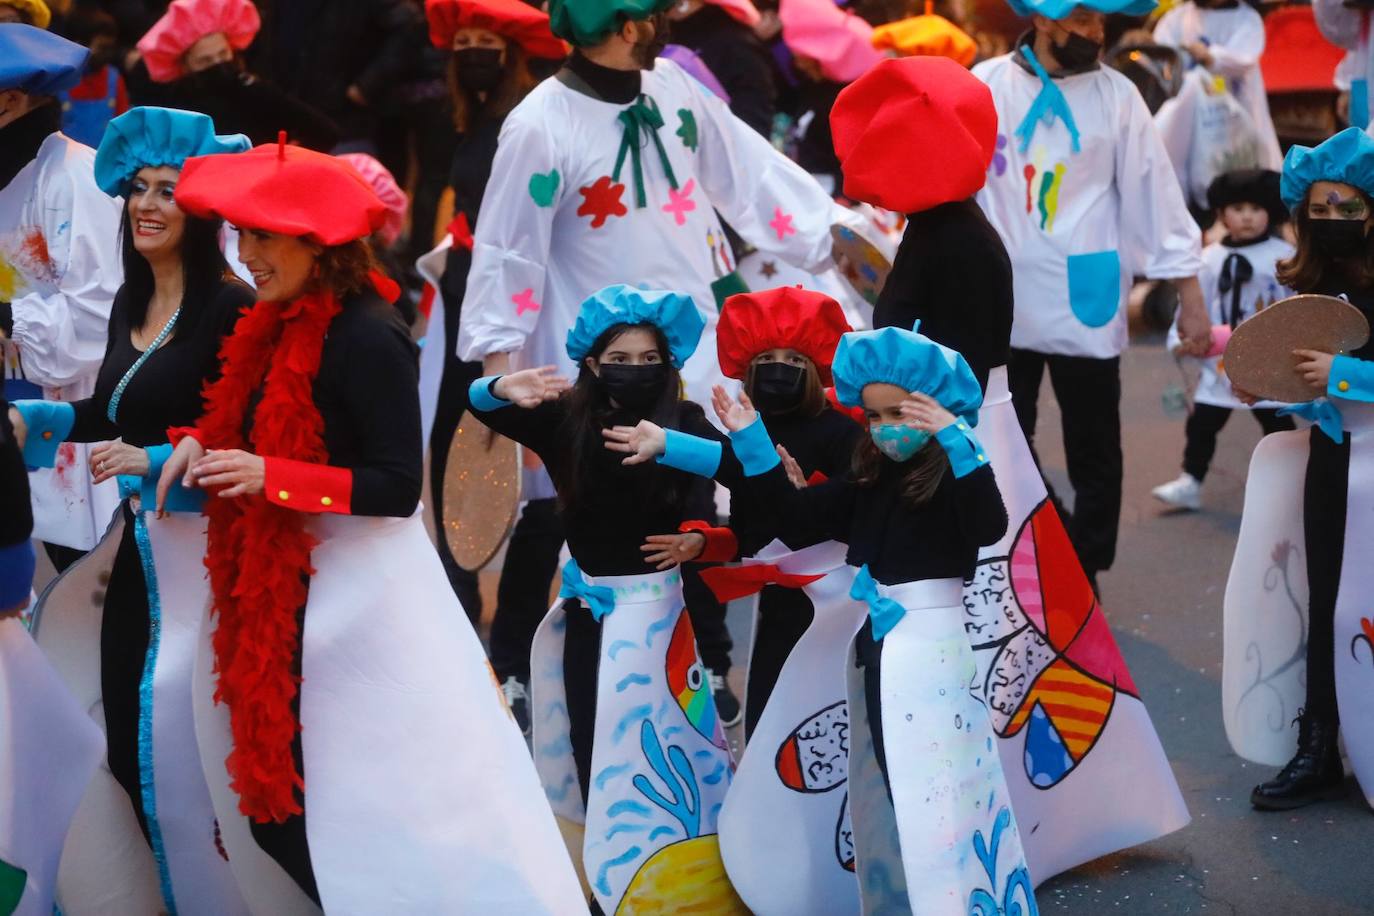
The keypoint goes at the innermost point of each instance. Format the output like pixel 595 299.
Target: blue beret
pixel 910 361
pixel 38 62
pixel 1058 9
pixel 147 136
pixel 672 313
pixel 1348 157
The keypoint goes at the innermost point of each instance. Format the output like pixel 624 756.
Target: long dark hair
pixel 921 476
pixel 589 411
pixel 516 83
pixel 1310 267
pixel 202 263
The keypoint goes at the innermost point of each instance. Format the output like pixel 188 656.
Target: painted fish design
pixel 690 686
pixel 815 759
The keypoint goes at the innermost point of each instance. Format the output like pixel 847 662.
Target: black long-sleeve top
pixel 938 540
pixel 166 391
pixel 1362 297
pixel 16 512
pixel 620 505
pixel 823 443
pixel 952 272
pixel 736 58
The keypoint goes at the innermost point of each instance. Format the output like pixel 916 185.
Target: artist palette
pixel 481 493
pixel 1259 357
pixel 862 264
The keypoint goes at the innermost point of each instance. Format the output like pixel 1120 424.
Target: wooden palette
pixel 1259 357
pixel 862 264
pixel 481 493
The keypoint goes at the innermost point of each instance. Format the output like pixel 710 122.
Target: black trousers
pixel 868 655
pixel 522 597
pixel 784 615
pixel 581 663
pixel 124 625
pixel 61 556
pixel 708 614
pixel 1207 420
pixel 1089 394
pixel 1324 516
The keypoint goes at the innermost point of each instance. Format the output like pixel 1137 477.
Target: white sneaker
pixel 1184 493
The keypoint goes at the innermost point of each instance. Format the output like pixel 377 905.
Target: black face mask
pixel 646 52
pixel 99 60
pixel 633 387
pixel 479 69
pixel 1339 238
pixel 778 387
pixel 1077 52
pixel 213 79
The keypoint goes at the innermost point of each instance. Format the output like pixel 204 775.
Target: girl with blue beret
pixel 1330 190
pixel 919 503
pixel 623 714
pixel 177 302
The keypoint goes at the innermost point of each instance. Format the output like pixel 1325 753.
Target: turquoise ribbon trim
pixel 145 709
pixel 689 453
pixel 480 397
pixel 884 612
pixel 179 499
pixel 599 599
pixel 1323 413
pixel 49 424
pixel 643 117
pixel 754 449
pixel 1048 105
pixel 113 407
pixel 965 452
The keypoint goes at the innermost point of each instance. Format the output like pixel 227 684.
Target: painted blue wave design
pixel 629 806
pixel 617 646
pixel 705 755
pixel 560 793
pixel 611 772
pixel 661 831
pixel 715 775
pixel 671 730
pixel 658 626
pixel 631 718
pixel 625 828
pixel 625 857
pixel 631 680
pixel 557 747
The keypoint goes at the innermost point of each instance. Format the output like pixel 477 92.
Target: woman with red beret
pixel 493 44
pixel 347 683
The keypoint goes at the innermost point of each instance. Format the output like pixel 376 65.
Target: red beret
pixel 926 111
pixel 787 317
pixel 284 189
pixel 511 19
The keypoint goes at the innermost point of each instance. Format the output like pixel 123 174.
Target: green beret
pixel 587 22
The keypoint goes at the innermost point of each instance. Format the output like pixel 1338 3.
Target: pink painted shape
pixel 782 224
pixel 1094 650
pixel 524 302
pixel 1025 579
pixel 680 202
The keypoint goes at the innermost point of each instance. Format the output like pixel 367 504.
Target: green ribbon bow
pixel 643 117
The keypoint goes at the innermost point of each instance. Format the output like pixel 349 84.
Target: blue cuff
pixel 1352 379
pixel 179 498
pixel 965 452
pixel 480 397
pixel 754 449
pixel 49 423
pixel 689 453
pixel 17 563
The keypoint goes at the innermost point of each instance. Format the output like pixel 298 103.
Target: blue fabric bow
pixel 1048 105
pixel 884 612
pixel 599 599
pixel 1323 413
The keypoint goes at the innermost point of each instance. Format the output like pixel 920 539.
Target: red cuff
pixel 308 487
pixel 721 544
pixel 176 433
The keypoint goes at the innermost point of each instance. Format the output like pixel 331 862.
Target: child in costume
pixel 1312 488
pixel 1049 671
pixel 627 738
pixel 177 303
pixel 921 501
pixel 1239 278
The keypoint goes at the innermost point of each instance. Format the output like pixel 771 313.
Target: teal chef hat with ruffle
pixel 1058 9
pixel 1347 157
pixel 587 22
pixel 675 314
pixel 909 360
pixel 149 137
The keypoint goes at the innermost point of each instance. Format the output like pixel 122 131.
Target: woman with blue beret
pixel 920 502
pixel 177 303
pixel 627 738
pixel 1313 488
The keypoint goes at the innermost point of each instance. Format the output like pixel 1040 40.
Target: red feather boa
pixel 259 553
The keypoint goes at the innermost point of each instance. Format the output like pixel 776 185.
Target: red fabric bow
pixel 731 582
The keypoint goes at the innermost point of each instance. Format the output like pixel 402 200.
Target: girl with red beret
pixel 356 736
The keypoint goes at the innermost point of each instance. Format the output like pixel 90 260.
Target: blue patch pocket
pixel 1095 287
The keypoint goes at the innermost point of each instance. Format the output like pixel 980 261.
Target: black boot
pixel 1314 774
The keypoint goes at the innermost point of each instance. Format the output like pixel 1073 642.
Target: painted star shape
pixel 782 224
pixel 524 302
pixel 769 270
pixel 601 201
pixel 688 130
pixel 680 202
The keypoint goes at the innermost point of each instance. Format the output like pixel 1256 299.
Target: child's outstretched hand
pixel 734 415
pixel 668 550
pixel 531 387
pixel 921 411
pixel 641 443
pixel 794 471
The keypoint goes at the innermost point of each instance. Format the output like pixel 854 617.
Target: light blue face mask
pixel 897 440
